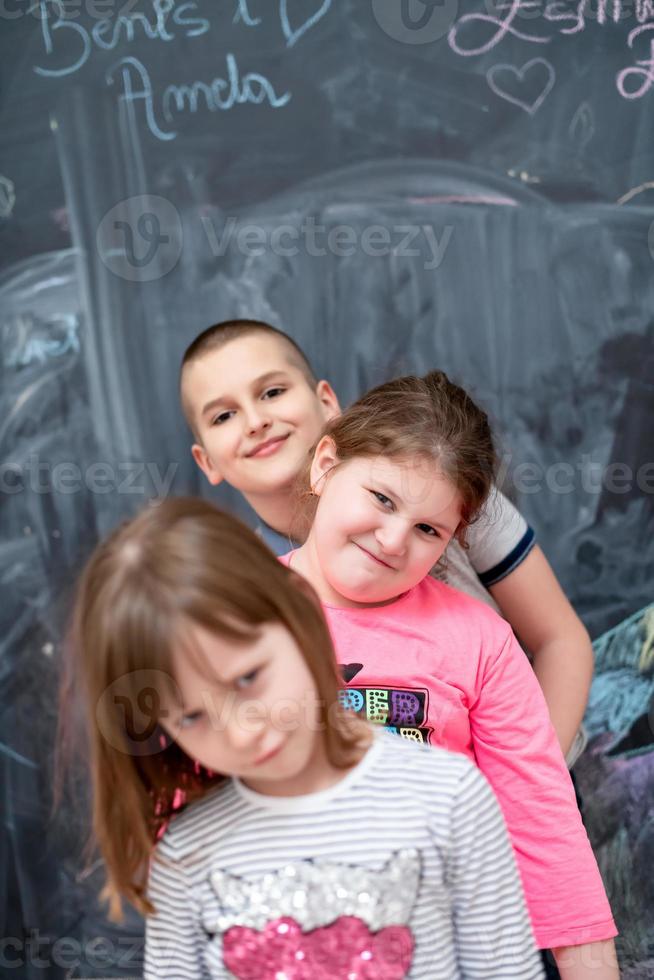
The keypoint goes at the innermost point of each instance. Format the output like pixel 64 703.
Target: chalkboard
pixel 397 184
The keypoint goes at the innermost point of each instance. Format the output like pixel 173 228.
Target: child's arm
pixel 532 601
pixel 492 933
pixel 173 941
pixel 517 750
pixel 596 961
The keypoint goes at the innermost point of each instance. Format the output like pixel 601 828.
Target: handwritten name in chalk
pixel 496 29
pixel 106 34
pixel 60 29
pixel 607 12
pixel 218 95
pixel 477 33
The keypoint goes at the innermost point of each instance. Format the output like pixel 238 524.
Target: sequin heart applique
pixel 344 950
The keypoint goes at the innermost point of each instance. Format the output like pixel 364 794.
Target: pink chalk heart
pixel 505 80
pixel 345 949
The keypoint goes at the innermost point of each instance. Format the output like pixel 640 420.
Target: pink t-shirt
pixel 438 666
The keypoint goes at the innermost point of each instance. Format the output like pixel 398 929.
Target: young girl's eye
pixel 188 721
pixel 428 529
pixel 246 680
pixel 273 392
pixel 222 417
pixel 382 498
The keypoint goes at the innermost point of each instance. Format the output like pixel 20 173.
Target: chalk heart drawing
pixel 293 34
pixel 506 80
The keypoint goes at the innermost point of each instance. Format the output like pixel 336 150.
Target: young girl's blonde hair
pixel 177 563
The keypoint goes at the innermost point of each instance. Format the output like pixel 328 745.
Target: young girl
pixel 309 847
pixel 401 473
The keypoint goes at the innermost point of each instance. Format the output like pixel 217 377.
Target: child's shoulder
pixel 195 827
pixel 439 780
pixel 408 759
pixel 458 605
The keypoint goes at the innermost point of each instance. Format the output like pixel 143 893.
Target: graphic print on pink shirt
pixel 402 711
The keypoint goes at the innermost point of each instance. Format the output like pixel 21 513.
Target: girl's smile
pixel 380 526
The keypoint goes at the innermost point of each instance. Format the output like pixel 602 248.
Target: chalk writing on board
pixel 648 185
pixel 27 340
pixel 636 81
pixel 220 94
pixel 477 33
pixel 7 196
pixel 293 34
pixel 106 34
pixel 168 20
pixel 505 81
pixel 499 29
pixel 582 126
pixel 243 15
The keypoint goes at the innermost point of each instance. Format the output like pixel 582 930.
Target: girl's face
pixel 380 526
pixel 249 709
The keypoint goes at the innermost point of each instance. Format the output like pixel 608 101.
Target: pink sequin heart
pixel 344 950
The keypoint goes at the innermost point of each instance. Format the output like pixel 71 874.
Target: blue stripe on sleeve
pixel 511 562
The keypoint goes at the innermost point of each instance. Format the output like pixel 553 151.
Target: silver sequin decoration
pixel 316 893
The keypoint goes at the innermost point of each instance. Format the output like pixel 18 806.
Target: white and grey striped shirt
pixel 402 869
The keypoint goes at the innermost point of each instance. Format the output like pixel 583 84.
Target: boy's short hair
pixel 223 333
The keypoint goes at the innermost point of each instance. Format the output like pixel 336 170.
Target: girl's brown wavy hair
pixel 179 562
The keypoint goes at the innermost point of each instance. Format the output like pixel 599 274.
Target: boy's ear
pixel 328 400
pixel 202 458
pixel 324 459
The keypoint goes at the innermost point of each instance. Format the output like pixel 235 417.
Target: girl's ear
pixel 324 460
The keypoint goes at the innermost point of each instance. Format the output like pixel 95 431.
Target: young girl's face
pixel 247 709
pixel 380 526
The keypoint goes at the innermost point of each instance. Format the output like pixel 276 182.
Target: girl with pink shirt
pixel 406 469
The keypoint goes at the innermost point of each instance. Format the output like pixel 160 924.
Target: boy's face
pixel 256 415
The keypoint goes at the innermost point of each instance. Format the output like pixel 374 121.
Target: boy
pixel 256 411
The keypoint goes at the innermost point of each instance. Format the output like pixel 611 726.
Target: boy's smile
pixel 268 447
pixel 256 415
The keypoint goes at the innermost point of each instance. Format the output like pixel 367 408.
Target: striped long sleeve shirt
pixel 403 868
